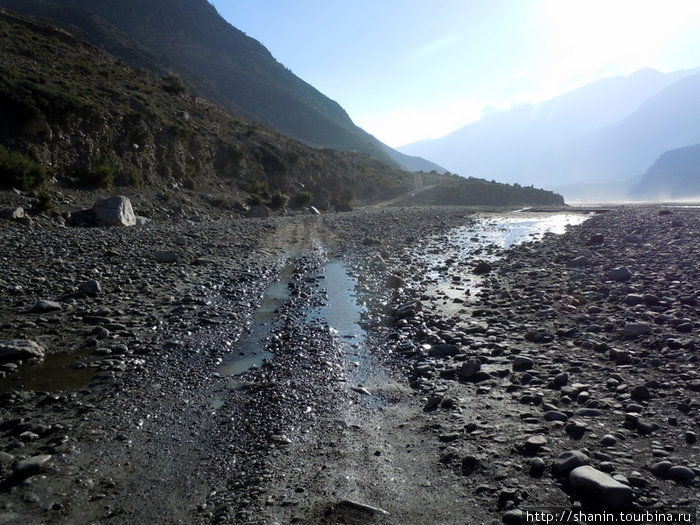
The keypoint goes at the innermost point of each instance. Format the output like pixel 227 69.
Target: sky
pixel 407 70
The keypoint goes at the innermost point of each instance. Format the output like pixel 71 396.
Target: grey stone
pixel 620 274
pixel 468 369
pixel 12 214
pixel 567 461
pixel 30 466
pixel 166 256
pixel 17 349
pixel 521 363
pixel 681 474
pixel 599 486
pixel 43 306
pixel 636 329
pixel 114 211
pixel 633 299
pixel 91 287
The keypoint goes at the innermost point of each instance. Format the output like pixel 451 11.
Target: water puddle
pixel 249 351
pixel 343 313
pixel 53 374
pixel 450 259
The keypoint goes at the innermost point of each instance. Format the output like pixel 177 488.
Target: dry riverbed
pixel 407 369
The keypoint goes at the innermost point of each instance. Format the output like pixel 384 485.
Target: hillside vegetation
pixel 219 61
pixel 75 113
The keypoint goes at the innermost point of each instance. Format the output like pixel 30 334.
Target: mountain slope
pixel 674 175
pixel 511 145
pixel 72 113
pixel 216 59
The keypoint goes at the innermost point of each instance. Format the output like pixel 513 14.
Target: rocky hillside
pixel 216 60
pixel 71 112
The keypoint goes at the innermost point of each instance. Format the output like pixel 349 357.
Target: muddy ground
pixel 452 401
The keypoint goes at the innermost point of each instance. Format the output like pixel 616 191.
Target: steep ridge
pixel 216 60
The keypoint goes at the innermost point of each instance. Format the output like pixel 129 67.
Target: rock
pixel 259 212
pixel 12 214
pixel 521 363
pixel 633 299
pixel 443 350
pixel 114 211
pixel 30 466
pixel 394 281
pixel 166 256
pixel 579 262
pixel 620 274
pixel 91 288
pixel 513 517
pixel 43 306
pixel 640 393
pixel 681 474
pixel 18 349
pixel 595 239
pixel 555 415
pixel 636 329
pixel 690 437
pixel 468 369
pixel 482 267
pixel 534 443
pixel 608 440
pixel 469 464
pixel 661 468
pixel 600 487
pixel 567 461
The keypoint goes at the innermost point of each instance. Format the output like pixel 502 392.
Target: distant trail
pixel 418 188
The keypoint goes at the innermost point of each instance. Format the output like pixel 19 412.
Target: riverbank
pixel 533 357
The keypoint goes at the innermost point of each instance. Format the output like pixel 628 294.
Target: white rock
pixel 114 211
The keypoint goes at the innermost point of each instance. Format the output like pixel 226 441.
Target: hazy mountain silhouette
pixel 218 61
pixel 674 175
pixel 592 134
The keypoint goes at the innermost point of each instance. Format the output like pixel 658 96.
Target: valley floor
pixel 451 403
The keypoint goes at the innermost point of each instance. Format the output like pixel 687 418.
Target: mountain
pixel 217 61
pixel 674 175
pixel 74 120
pixel 668 120
pixel 557 140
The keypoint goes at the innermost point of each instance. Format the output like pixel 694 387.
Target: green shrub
pixel 130 178
pixel 189 183
pixel 303 199
pixel 44 202
pixel 173 84
pixel 278 200
pixel 19 171
pixel 255 200
pixel 102 176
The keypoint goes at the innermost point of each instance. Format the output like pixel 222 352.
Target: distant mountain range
pixel 218 61
pixel 594 142
pixel 674 176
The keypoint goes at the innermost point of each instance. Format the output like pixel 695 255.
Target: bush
pixel 278 200
pixel 102 176
pixel 303 199
pixel 173 84
pixel 19 171
pixel 130 178
pixel 44 202
pixel 255 200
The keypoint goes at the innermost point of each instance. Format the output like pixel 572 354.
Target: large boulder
pixel 18 349
pixel 114 211
pixel 599 487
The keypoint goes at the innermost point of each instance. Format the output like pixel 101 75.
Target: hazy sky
pixel 406 70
